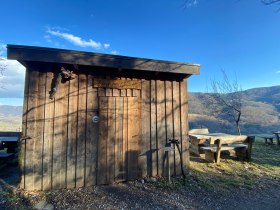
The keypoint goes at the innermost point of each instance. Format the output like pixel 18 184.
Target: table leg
pixel 277 138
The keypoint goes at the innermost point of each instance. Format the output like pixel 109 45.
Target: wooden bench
pixel 242 148
pixel 197 143
pixel 267 138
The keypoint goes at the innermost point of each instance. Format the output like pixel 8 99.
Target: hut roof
pixel 27 54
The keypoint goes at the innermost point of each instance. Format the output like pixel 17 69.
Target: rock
pixel 43 205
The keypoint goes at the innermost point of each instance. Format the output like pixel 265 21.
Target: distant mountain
pixel 10 118
pixel 260 112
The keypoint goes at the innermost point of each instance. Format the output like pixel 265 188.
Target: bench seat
pixel 224 147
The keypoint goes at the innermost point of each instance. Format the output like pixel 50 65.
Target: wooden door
pixel 119 138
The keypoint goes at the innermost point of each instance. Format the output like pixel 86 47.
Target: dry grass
pixel 232 173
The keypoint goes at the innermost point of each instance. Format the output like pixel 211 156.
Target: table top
pixel 224 136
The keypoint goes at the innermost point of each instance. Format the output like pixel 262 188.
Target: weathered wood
pixel 153 150
pixel 81 138
pixel 31 129
pixel 125 138
pixel 184 125
pixel 145 159
pixel 39 135
pixel 117 84
pixel 119 162
pixel 169 123
pixel 60 136
pixel 91 134
pixel 48 135
pixel 72 133
pixel 176 123
pixel 109 92
pixel 102 176
pixel 161 133
pixel 133 138
pixel 27 53
pixel 111 138
pixel 101 92
pixel 22 154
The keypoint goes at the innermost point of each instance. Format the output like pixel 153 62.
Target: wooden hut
pixel 92 119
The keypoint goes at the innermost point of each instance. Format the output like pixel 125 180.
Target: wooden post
pixel 218 142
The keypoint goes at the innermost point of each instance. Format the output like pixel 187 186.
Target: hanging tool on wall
pixel 177 143
pixel 62 76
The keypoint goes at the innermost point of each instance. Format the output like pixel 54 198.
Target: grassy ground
pixel 231 174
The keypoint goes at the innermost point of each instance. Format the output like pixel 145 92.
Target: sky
pixel 240 37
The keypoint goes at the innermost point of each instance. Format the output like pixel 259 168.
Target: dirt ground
pixel 141 194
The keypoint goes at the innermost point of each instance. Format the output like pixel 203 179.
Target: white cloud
pixel 12 79
pixel 114 52
pixel 106 46
pixel 78 41
pixel 190 3
pixel 277 72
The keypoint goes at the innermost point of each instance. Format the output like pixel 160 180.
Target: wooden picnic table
pixel 198 140
pixel 203 142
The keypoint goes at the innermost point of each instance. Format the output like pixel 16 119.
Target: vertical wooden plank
pixel 116 92
pixel 92 133
pixel 72 132
pixel 48 136
pixel 169 121
pixel 153 128
pixel 111 138
pixel 31 129
pixel 119 167
pixel 109 92
pixel 81 131
pixel 60 136
pixel 161 135
pixel 102 176
pixel 145 159
pixel 176 123
pixel 24 130
pixel 133 138
pixel 125 138
pixel 128 91
pixel 101 92
pixel 123 91
pixel 184 125
pixel 39 135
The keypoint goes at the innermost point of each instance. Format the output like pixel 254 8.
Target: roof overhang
pixel 27 54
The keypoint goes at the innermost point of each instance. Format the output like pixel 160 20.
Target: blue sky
pixel 241 37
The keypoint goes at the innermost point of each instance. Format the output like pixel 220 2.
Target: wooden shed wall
pixel 68 150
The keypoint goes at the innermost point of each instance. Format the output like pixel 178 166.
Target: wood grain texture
pixel 133 138
pixel 39 135
pixel 119 162
pixel 102 176
pixel 176 123
pixel 72 133
pixel 81 131
pixel 153 128
pixel 48 135
pixel 31 129
pixel 111 138
pixel 184 125
pixel 169 122
pixel 22 163
pixel 92 133
pixel 161 133
pixel 145 159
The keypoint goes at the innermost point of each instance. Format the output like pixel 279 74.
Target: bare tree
pixel 225 100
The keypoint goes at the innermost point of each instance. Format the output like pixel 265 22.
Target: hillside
pixel 10 118
pixel 260 112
